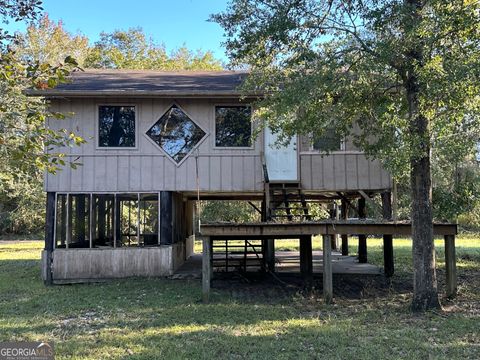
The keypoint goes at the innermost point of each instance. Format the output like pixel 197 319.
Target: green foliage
pixel 48 42
pixel 229 211
pixel 349 66
pixel 132 49
pixel 26 144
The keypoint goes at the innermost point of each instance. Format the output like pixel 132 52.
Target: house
pixel 158 141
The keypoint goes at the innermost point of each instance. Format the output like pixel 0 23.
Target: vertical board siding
pixel 147 168
pixel 342 172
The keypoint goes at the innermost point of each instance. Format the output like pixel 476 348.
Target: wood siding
pixel 147 169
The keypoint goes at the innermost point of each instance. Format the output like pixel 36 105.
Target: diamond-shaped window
pixel 176 133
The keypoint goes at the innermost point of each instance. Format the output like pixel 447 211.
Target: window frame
pixel 157 146
pixel 97 126
pixel 251 147
pixel 317 151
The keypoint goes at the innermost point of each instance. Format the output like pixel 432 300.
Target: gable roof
pixel 134 83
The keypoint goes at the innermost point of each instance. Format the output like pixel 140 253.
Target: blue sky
pixel 172 22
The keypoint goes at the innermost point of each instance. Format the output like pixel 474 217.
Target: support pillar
pixel 344 217
pixel 327 269
pixel 206 268
pixel 63 218
pixel 362 239
pixel 268 244
pixel 270 254
pixel 388 260
pixel 49 236
pixel 306 260
pixel 450 265
pixel 117 219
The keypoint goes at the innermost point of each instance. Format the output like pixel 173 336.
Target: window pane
pixel 176 133
pixel 233 126
pixel 116 126
pixel 329 141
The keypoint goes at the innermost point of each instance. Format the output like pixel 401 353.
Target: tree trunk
pixel 425 293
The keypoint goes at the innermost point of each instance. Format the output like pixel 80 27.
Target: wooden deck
pixel 287 262
pixel 328 229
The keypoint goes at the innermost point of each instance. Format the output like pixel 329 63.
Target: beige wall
pixel 148 169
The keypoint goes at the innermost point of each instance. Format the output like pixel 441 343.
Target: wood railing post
pixel 450 265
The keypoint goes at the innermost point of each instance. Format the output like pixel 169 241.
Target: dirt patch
pixel 255 286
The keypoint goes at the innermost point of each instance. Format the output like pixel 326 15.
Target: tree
pixel 23 134
pixel 47 41
pixel 406 71
pixel 132 49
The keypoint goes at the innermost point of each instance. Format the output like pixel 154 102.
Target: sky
pixel 171 22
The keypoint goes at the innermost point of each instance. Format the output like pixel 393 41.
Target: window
pixel 233 126
pixel 329 141
pixel 176 133
pixel 116 126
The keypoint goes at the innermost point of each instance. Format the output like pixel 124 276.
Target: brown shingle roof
pixel 148 83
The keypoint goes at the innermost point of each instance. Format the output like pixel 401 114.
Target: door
pixel 281 161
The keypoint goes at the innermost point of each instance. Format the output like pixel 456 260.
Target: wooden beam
pixel 294 230
pixel 388 259
pixel 327 270
pixel 450 265
pixel 49 236
pixel 206 268
pixel 255 207
pixel 306 259
pixel 348 202
pixel 370 201
pixel 362 238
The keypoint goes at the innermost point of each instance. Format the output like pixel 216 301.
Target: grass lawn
pixel 161 318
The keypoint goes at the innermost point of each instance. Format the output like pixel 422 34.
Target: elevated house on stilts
pixel 156 141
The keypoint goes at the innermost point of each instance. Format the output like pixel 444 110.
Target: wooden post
pixel 270 254
pixel 450 265
pixel 333 216
pixel 362 239
pixel 344 216
pixel 306 261
pixel 388 260
pixel 327 269
pixel 117 221
pixel 69 221
pixel 206 268
pixel 268 244
pixel 63 218
pixel 49 236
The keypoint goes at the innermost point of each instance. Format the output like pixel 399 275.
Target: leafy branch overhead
pixel 347 65
pixel 399 77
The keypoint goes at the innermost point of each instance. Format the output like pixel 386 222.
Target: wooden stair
pixel 237 255
pixel 287 202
